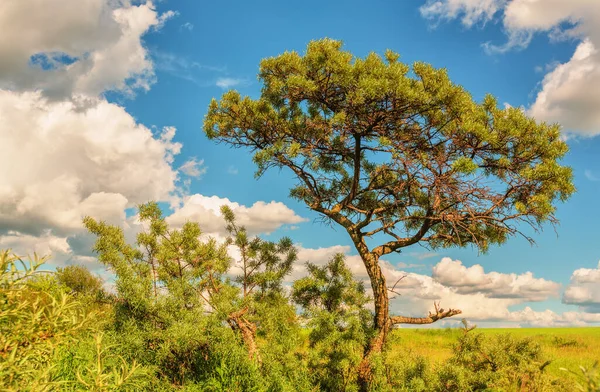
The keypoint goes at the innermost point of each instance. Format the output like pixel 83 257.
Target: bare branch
pixel 432 318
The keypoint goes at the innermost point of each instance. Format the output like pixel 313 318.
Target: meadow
pixel 566 348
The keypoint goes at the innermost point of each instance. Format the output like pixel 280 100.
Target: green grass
pixel 566 347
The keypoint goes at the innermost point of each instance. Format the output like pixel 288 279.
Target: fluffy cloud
pixel 584 289
pixel 469 11
pixel 570 93
pixel 469 280
pixel 67 47
pixel 261 217
pixel 58 163
pixel 193 168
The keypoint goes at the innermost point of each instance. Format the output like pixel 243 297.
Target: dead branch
pixel 433 317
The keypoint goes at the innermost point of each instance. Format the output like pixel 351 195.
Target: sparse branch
pixel 433 317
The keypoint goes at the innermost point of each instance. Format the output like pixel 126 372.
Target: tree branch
pixel 432 318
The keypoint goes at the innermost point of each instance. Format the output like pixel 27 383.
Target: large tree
pixel 396 155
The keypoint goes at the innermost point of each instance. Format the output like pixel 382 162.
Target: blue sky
pixel 110 98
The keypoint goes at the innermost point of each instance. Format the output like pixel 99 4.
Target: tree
pixel 333 303
pixel 175 269
pixel 397 156
pixel 263 266
pixel 80 280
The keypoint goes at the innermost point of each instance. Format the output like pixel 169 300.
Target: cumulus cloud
pixel 584 289
pixel 72 47
pixel 570 92
pixel 59 163
pixel 469 280
pixel 261 217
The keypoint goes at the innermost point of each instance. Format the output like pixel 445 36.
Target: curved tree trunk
pixel 382 320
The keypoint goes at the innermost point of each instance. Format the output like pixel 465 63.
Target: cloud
pixel 193 168
pixel 469 280
pixel 261 217
pixel 472 11
pixel 58 163
pixel 226 83
pixel 72 47
pixel 57 248
pixel 187 26
pixel 570 92
pixel 185 68
pixel 423 255
pixel 584 289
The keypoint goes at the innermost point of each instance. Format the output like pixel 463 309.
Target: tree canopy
pixel 382 147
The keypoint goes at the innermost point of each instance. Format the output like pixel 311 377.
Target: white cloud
pixel 59 163
pixel 193 167
pixel 71 47
pixel 584 289
pixel 469 280
pixel 67 152
pixel 261 217
pixel 226 83
pixel 570 92
pixel 470 11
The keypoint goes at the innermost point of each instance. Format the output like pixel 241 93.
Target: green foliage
pixel 399 148
pixel 92 365
pixel 52 341
pixel 79 280
pixel 179 312
pixel 333 305
pixel 33 324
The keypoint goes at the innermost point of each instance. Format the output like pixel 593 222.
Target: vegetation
pixel 178 321
pixel 396 155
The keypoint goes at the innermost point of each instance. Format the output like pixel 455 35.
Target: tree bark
pixel 381 317
pixel 248 331
pixel 382 320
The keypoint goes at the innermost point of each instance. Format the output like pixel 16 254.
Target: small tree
pixel 396 155
pixel 174 268
pixel 263 265
pixel 80 280
pixel 333 304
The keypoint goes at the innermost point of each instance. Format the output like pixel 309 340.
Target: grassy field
pixel 566 347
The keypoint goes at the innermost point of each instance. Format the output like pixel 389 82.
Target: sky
pixel 102 104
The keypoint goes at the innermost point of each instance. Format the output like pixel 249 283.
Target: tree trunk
pixel 382 319
pixel 248 331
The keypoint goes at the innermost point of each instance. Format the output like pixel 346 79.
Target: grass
pixel 567 348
